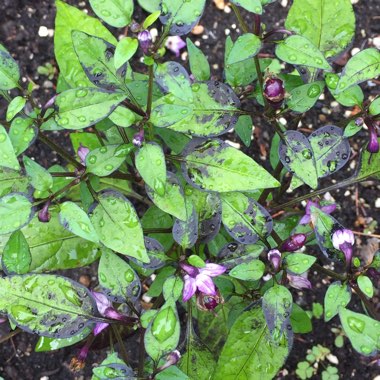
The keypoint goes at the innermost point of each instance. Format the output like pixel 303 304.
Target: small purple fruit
pixel 294 243
pixel 44 214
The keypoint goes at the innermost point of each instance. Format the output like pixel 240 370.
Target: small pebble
pixel 85 280
pixel 198 29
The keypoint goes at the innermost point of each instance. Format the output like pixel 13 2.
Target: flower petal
pixel 328 209
pixel 205 284
pixel 99 327
pixel 192 271
pixel 189 288
pixel 212 270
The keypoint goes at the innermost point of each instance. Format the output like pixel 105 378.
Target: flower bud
pixel 138 138
pixel 134 27
pixel 82 153
pixel 172 359
pixel 344 241
pixel 44 214
pixel 373 145
pixel 274 91
pixel 294 243
pixel 145 40
pixel 274 257
pixel 299 282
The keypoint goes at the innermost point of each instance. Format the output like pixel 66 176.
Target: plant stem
pixel 329 272
pixel 98 136
pixel 150 93
pixel 369 306
pixel 134 108
pixel 140 373
pixel 238 15
pixel 63 174
pixel 65 155
pixel 157 230
pixel 279 30
pixel 123 135
pixel 119 339
pixel 347 182
pixel 10 335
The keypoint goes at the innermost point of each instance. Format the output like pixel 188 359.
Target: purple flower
pixel 328 209
pixel 299 282
pixel 50 102
pixel 145 40
pixel 2 320
pixel 106 309
pixel 274 90
pixel 82 152
pixel 138 138
pixel 201 279
pixel 274 257
pixel 171 359
pixel 175 44
pixel 344 241
pixel 44 214
pixel 294 243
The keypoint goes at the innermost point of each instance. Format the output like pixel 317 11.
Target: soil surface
pixel 26 29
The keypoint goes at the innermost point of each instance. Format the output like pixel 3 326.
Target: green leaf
pixel 331 149
pixel 47 305
pixel 117 13
pixel 196 261
pixel 8 157
pixel 51 344
pixel 304 97
pixel 297 156
pixel 250 271
pixel 105 160
pixel 15 106
pixel 185 233
pixel 324 227
pixel 81 108
pixel 337 295
pixel 252 356
pixel 299 263
pixel 365 285
pixel 112 367
pixel 9 70
pixel 96 56
pixel 156 288
pixel 174 79
pixel 233 254
pixel 198 362
pixel 69 18
pixel 75 220
pixel 151 19
pixel 243 129
pixel 254 6
pixel 298 50
pixel 12 181
pixel 180 16
pixel 40 178
pixel 352 129
pixel 329 25
pixel 162 334
pixel 300 321
pixel 125 50
pixel 363 331
pixel 22 134
pixel 362 66
pixel 199 66
pixel 215 165
pixel 150 163
pixel 348 98
pixel 16 256
pixel 369 166
pixel 172 288
pixel 118 226
pixel 172 201
pixel 119 281
pixel 245 219
pixel 16 210
pixel 150 5
pixel 52 247
pixel 277 306
pixel 122 116
pixel 245 47
pixel 374 107
pixel 211 112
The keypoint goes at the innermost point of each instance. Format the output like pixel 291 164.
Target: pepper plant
pixel 197 243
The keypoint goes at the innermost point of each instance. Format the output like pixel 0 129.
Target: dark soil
pixel 20 21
